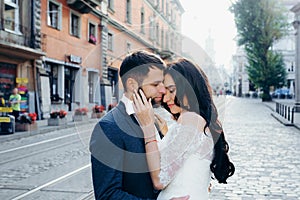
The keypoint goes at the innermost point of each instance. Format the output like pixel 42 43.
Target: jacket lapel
pixel 125 122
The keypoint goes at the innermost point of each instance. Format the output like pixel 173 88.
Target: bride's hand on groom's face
pixel 143 108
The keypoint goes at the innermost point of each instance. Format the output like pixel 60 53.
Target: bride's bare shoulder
pixel 192 118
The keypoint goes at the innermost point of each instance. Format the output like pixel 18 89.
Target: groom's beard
pixel 153 103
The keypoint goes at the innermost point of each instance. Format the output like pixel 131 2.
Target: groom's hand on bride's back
pixel 181 198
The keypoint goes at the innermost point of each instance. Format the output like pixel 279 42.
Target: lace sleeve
pixel 181 142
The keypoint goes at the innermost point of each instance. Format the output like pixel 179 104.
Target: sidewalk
pixel 288 102
pixel 44 128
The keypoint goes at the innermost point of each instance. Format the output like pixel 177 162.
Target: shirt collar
pixel 129 110
pixel 128 105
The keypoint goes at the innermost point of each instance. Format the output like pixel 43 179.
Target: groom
pixel 119 165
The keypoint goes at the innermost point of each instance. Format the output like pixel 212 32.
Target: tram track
pixel 53 182
pixel 40 151
pixel 36 143
pixel 55 166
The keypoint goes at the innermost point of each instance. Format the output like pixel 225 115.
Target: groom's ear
pixel 131 84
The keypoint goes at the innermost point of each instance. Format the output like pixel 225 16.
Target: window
pixel 175 43
pixel 128 47
pixel 167 40
pixel 91 78
pixel 172 41
pixel 174 20
pixel 110 41
pixel 11 15
pixel 111 4
pixel 157 4
pixel 54 15
pixel 151 30
pixel 112 76
pixel 157 33
pixel 240 67
pixel 75 25
pixel 7 76
pixel 92 34
pixel 142 21
pixel 53 77
pixel 162 38
pixel 70 75
pixel 128 11
pixel 167 8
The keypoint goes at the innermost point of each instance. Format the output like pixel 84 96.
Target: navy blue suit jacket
pixel 119 165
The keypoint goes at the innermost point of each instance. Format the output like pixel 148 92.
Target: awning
pixel 18 53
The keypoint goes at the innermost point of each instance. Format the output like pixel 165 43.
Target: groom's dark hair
pixel 136 65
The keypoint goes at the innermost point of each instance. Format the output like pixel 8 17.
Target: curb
pixel 279 118
pixel 43 129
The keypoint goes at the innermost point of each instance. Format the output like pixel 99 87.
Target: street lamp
pixel 296 25
pixel 297 67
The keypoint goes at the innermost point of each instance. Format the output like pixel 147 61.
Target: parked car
pixel 282 93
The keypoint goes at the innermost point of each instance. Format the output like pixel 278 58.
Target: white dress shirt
pixel 129 110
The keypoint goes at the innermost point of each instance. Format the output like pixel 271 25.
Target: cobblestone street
pixel 266 154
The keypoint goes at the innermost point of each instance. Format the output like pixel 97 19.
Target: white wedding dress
pixel 186 154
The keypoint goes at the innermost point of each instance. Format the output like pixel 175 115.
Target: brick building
pixel 81 72
pixel 153 25
pixel 70 50
pixel 71 68
pixel 20 48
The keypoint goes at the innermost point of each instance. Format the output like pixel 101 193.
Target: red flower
pixel 32 116
pixel 92 39
pixel 98 109
pixel 81 111
pixel 62 113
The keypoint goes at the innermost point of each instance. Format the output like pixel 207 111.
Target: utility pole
pixel 296 24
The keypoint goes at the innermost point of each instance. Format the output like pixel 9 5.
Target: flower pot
pixel 53 115
pixel 77 118
pixel 97 115
pixel 26 127
pixel 56 121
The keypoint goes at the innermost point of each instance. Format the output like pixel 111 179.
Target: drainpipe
pixel 33 30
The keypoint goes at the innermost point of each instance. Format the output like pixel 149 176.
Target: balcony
pixel 17 41
pixel 15 33
pixel 84 6
pixel 166 54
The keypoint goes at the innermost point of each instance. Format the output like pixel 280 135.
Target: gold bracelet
pixel 150 137
pixel 150 141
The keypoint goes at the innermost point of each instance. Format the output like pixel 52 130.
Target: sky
pixel 211 17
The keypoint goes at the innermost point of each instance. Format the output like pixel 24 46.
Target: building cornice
pixel 179 6
pixel 121 27
pixel 296 8
pixel 163 18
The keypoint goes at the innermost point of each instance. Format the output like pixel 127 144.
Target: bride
pixel 194 149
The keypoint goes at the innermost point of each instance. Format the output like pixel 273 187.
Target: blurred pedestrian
pixel 2 100
pixel 14 101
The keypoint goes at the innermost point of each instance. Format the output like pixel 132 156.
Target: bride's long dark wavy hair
pixel 192 82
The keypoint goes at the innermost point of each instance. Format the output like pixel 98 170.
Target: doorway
pixel 70 75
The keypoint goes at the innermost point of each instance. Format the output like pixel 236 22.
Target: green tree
pixel 260 23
